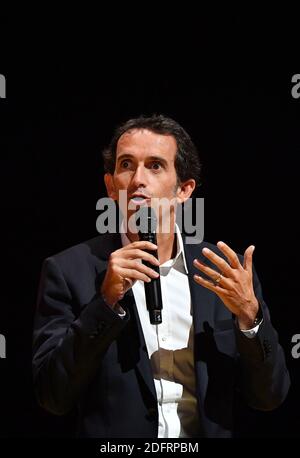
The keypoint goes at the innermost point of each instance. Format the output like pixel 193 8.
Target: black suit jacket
pixel 85 357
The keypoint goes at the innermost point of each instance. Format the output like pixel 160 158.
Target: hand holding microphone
pixel 147 232
pixel 124 268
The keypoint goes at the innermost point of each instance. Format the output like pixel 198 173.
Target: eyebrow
pixel 151 158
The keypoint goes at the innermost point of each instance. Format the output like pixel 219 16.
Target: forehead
pixel 145 142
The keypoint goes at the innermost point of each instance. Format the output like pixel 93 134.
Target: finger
pixel 224 281
pixel 248 257
pixel 209 285
pixel 140 254
pixel 223 266
pixel 141 244
pixel 230 255
pixel 135 275
pixel 139 266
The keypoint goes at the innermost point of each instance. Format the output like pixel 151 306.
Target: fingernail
pixel 205 250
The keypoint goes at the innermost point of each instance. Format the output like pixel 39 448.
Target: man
pixel 94 348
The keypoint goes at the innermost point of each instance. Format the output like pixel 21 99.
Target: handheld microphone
pixel 148 224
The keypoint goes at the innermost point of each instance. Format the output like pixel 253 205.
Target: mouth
pixel 139 199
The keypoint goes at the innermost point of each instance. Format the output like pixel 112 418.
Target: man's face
pixel 145 168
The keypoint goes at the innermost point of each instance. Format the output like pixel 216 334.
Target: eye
pixel 156 165
pixel 125 164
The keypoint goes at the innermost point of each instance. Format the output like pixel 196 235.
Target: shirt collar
pixel 180 255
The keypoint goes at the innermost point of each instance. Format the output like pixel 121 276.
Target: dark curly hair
pixel 187 162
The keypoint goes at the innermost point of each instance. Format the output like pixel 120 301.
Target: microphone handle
pixel 152 289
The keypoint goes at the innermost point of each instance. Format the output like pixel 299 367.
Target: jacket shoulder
pixel 91 251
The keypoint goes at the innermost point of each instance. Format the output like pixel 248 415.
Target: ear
pixel 185 190
pixel 110 187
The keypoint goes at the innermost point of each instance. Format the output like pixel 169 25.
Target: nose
pixel 139 178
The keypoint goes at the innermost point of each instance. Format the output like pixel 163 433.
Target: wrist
pixel 108 301
pixel 248 325
pixel 116 307
pixel 251 319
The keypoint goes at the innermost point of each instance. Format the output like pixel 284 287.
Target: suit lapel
pixel 140 353
pixel 203 304
pixel 203 300
pixel 135 338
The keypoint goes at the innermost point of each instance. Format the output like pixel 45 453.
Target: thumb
pixel 248 258
pixel 127 283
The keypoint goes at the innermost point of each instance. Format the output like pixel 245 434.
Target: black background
pixel 226 77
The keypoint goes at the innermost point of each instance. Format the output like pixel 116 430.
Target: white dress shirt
pixel 170 347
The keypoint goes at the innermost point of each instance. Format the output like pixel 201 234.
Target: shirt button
pixel 163 339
